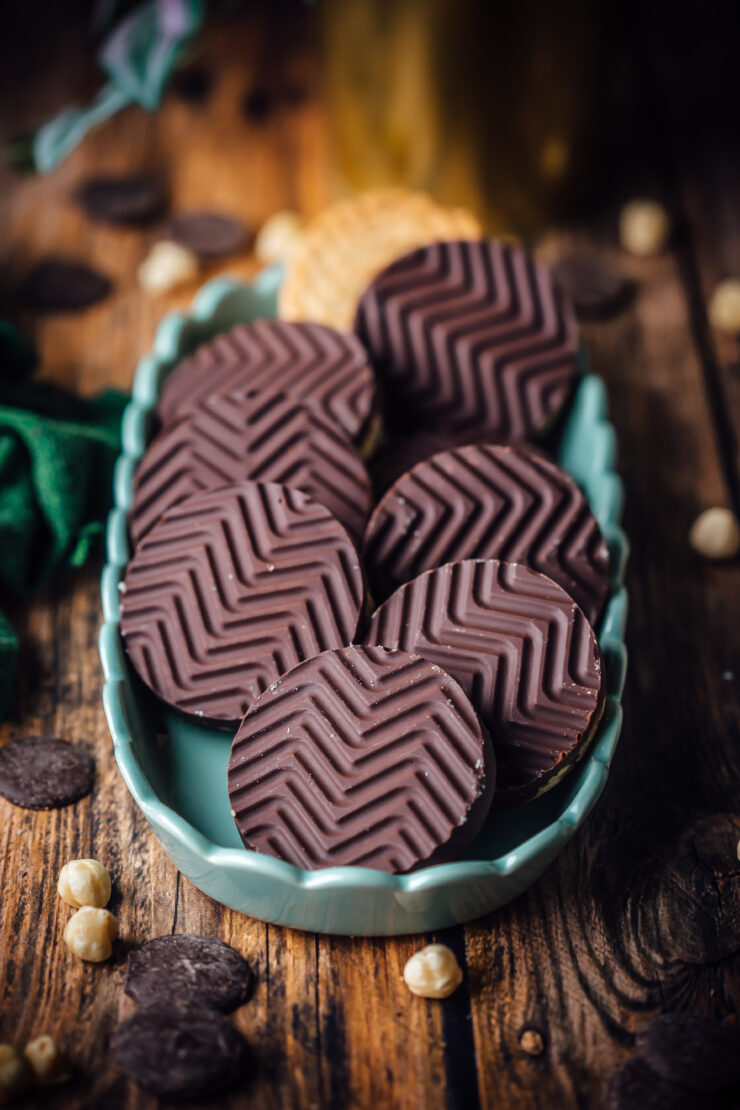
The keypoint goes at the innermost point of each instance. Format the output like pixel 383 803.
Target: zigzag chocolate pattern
pixel 361 756
pixel 266 437
pixel 231 589
pixel 318 366
pixel 471 335
pixel 520 648
pixel 488 502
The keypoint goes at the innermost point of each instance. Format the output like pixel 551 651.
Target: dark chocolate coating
pixel 199 970
pixel 317 366
pixel 399 453
pixel 520 648
pixel 209 234
pixel 635 1086
pixel 488 502
pixel 231 589
pixel 361 757
pixel 179 1050
pixel 470 336
pixel 44 772
pixel 63 285
pixel 129 200
pixel 696 1051
pixel 265 437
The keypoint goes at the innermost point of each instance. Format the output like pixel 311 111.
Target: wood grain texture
pixel 642 912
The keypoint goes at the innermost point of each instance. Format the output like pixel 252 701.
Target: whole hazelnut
pixel 715 534
pixel 49 1065
pixel 433 972
pixel 84 882
pixel 644 227
pixel 90 933
pixel 15 1074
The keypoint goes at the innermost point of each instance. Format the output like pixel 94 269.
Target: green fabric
pixel 57 453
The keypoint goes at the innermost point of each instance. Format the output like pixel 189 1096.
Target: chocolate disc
pixel 43 772
pixel 471 336
pixel 199 970
pixel 134 199
pixel 63 285
pixel 179 1050
pixel 208 234
pixel 635 1086
pixel 400 453
pixel 318 366
pixel 361 757
pixel 488 502
pixel 262 437
pixel 232 588
pixel 520 648
pixel 696 1051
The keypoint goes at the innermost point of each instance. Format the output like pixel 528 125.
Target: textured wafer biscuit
pixel 521 649
pixel 488 502
pixel 232 588
pixel 470 336
pixel 318 366
pixel 238 436
pixel 351 241
pixel 361 757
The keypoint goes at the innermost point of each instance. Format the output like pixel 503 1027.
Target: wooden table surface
pixel 641 913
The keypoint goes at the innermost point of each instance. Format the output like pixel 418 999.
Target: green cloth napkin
pixel 57 453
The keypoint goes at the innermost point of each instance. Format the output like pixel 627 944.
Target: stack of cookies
pixel 394 654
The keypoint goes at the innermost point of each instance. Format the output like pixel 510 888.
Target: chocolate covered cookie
pixel 266 437
pixel 520 648
pixel 198 970
pixel 470 336
pixel 232 588
pixel 324 369
pixel 488 502
pixel 44 772
pixel 363 757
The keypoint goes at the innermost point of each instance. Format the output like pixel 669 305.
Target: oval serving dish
pixel 176 770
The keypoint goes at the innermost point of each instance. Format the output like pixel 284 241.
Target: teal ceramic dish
pixel 176 770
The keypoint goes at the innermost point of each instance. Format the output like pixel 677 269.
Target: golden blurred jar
pixel 493 105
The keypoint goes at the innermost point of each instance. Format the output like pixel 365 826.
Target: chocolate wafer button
pixel 470 336
pixel 318 366
pixel 520 648
pixel 232 588
pixel 361 757
pixel 266 437
pixel 488 502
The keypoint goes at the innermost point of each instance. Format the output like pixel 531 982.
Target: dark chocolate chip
pixel 635 1086
pixel 132 200
pixel 61 285
pixel 176 1050
pixel 693 1050
pixel 209 234
pixel 200 970
pixel 257 104
pixel 193 84
pixel 43 772
pixel 595 286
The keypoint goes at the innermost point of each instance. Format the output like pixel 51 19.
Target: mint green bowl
pixel 176 770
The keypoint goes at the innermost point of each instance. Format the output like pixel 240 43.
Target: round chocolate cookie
pixel 176 1050
pixel 361 757
pixel 63 285
pixel 470 336
pixel 324 369
pixel 488 502
pixel 399 453
pixel 43 772
pixel 130 200
pixel 696 1051
pixel 232 588
pixel 199 970
pixel 208 234
pixel 520 648
pixel 265 437
pixel 635 1086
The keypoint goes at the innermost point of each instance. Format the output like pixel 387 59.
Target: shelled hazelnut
pixel 433 972
pixel 90 933
pixel 84 882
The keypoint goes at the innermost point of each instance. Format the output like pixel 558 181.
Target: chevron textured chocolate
pixel 520 648
pixel 470 336
pixel 318 366
pixel 266 437
pixel 361 756
pixel 231 589
pixel 400 452
pixel 488 502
